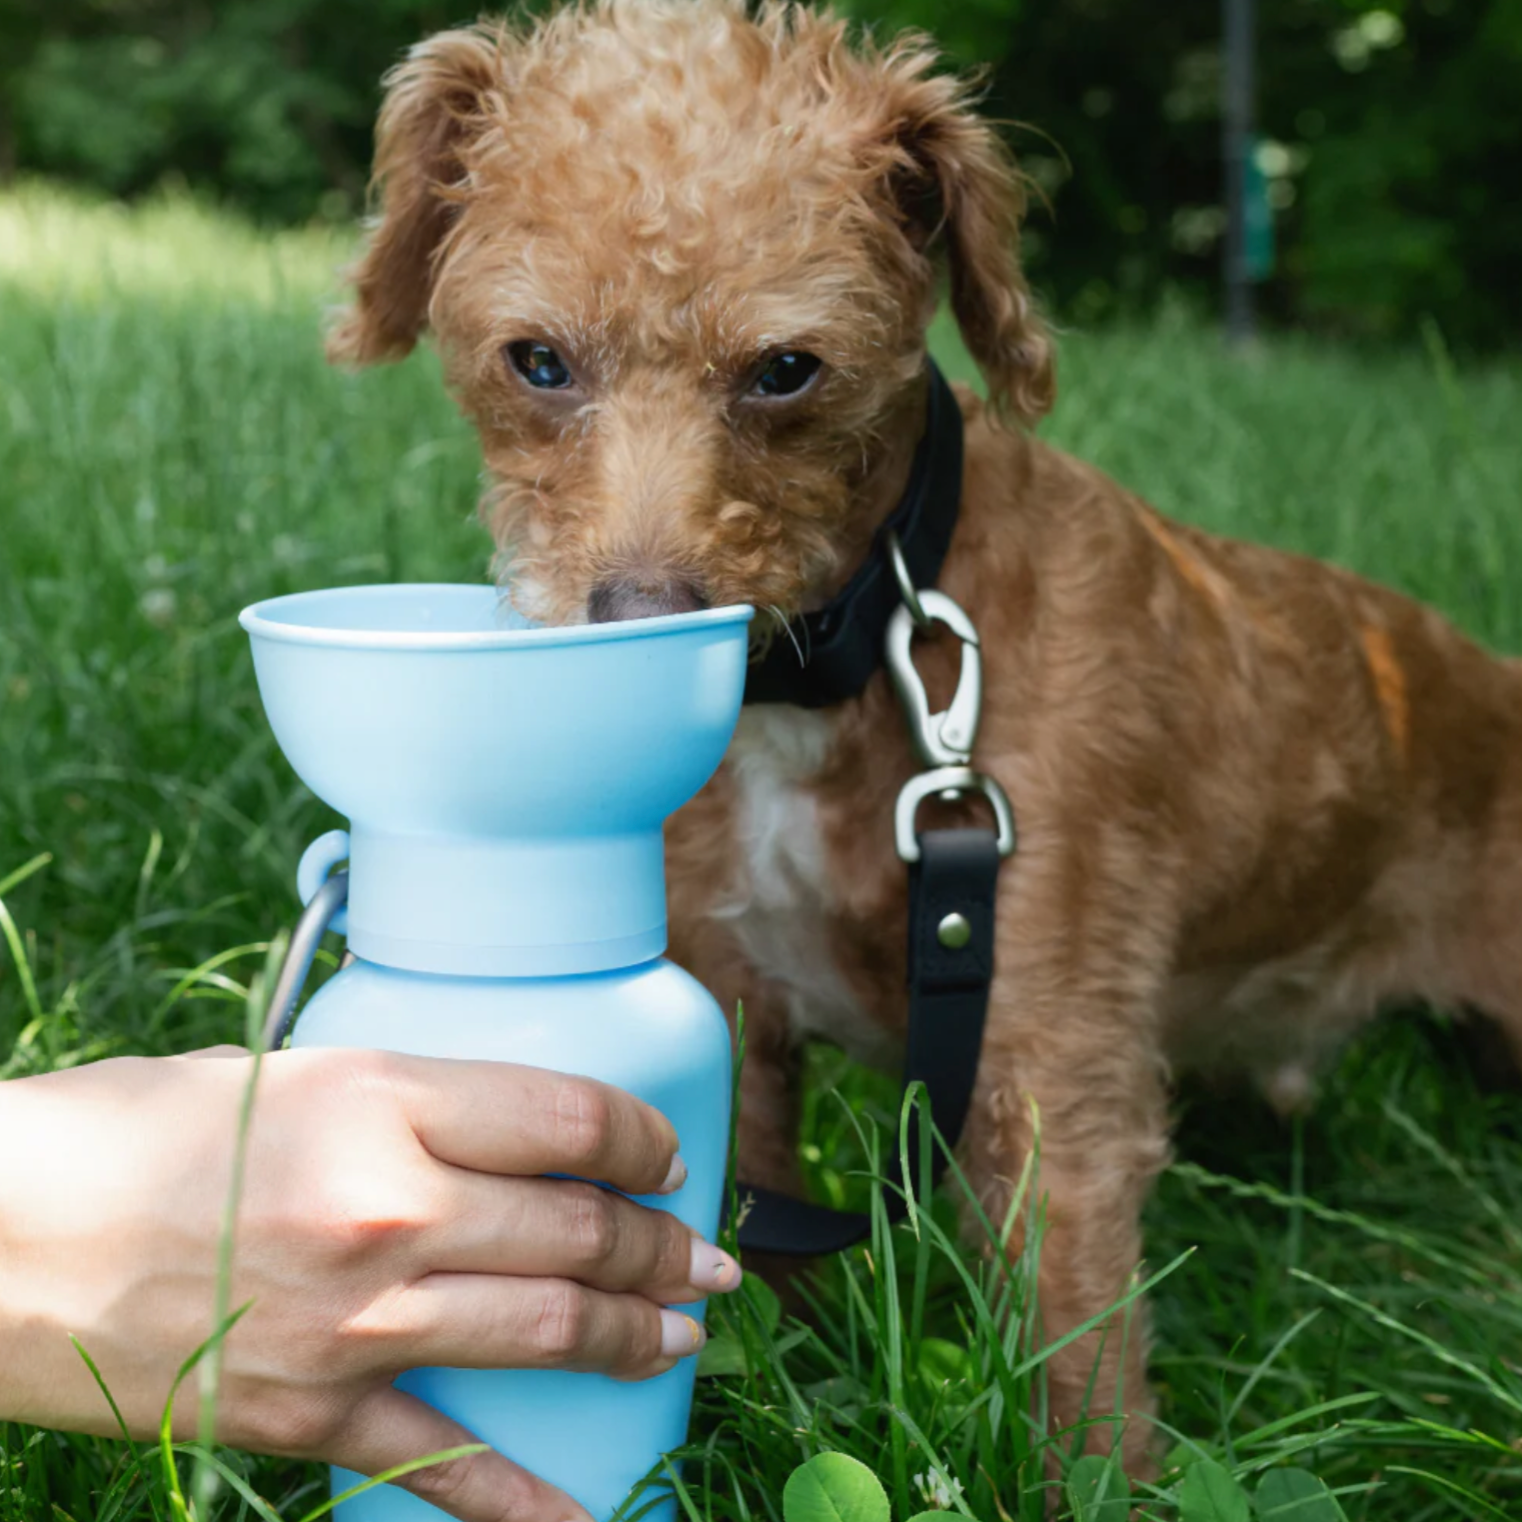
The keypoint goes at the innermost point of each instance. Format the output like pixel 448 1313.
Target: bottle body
pixel 505 787
pixel 651 1030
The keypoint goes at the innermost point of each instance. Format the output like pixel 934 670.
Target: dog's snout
pixel 620 598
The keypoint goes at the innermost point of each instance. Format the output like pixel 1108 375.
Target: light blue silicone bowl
pixel 505 784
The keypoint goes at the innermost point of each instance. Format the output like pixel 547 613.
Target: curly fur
pixel 1258 796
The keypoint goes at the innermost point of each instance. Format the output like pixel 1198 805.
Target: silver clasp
pixel 950 782
pixel 945 738
pixel 943 741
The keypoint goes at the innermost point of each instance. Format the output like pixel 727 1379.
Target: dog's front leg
pixel 702 850
pixel 766 1131
pixel 1071 1065
pixel 767 1127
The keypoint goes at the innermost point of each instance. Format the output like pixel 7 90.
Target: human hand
pixel 393 1217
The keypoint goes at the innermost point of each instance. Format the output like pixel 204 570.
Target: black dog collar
pixel 842 643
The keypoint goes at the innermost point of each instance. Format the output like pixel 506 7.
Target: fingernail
pixel 712 1268
pixel 681 1336
pixel 676 1177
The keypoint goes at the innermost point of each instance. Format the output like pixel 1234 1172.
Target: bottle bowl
pixel 505 784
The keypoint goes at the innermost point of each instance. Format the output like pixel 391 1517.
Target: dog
pixel 679 261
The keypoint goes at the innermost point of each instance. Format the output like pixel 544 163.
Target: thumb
pixel 391 1428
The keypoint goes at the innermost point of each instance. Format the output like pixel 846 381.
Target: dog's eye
pixel 539 365
pixel 787 374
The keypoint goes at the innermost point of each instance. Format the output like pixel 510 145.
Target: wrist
pixel 17 1329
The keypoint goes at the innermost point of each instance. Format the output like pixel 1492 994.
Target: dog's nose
pixel 623 597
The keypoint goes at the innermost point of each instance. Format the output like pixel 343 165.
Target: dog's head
pixel 679 264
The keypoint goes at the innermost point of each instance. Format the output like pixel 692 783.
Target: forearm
pixel 33 1344
pixel 13 1331
pixel 100 1240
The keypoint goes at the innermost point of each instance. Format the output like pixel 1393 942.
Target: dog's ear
pixel 951 178
pixel 436 102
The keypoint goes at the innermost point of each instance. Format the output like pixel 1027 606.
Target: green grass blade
pixel 1465 1366
pixel 169 1468
pixel 22 963
pixel 26 870
pixel 397 1472
pixel 208 1458
pixel 104 1388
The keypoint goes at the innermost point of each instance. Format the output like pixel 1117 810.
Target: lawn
pixel 172 447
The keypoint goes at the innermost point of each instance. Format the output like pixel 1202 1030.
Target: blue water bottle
pixel 506 788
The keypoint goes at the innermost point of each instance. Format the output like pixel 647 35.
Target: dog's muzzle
pixel 621 598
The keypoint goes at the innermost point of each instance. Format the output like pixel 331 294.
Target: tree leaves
pixel 1391 144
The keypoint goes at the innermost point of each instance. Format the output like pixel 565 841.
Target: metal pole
pixel 1237 89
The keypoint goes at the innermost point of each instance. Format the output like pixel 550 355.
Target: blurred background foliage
pixel 1391 132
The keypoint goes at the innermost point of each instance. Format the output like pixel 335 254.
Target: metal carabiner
pixel 943 741
pixel 945 738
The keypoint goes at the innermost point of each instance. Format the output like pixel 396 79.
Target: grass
pixel 172 448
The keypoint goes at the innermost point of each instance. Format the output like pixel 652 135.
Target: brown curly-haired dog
pixel 679 265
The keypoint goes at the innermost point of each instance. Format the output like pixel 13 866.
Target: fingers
pixel 483 1321
pixel 392 1428
pixel 496 1117
pixel 562 1229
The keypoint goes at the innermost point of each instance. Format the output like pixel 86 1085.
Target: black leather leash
pixel 949 976
pixel 953 874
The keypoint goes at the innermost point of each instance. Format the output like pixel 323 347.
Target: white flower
pixel 937 1494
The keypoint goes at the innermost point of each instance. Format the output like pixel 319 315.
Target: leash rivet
pixel 954 932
